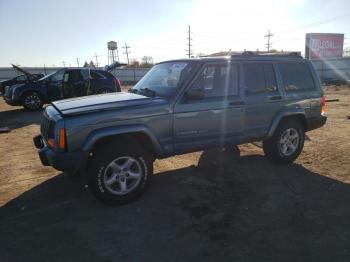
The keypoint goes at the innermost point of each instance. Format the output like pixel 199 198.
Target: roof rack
pixel 251 53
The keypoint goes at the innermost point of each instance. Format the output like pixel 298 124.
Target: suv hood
pixel 94 103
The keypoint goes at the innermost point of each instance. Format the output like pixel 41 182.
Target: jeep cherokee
pixel 182 106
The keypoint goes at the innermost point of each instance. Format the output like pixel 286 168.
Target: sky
pixel 56 32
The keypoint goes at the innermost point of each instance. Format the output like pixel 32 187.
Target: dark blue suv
pixel 65 83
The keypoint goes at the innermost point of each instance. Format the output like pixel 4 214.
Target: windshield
pixel 58 75
pixel 162 80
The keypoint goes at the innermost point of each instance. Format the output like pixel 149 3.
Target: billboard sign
pixel 320 46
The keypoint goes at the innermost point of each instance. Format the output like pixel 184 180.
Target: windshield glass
pixel 58 74
pixel 162 80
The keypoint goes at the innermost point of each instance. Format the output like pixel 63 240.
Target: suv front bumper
pixel 63 161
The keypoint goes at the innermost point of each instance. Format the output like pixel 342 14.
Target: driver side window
pixel 58 76
pixel 217 81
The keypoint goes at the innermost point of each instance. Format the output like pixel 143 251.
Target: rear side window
pixel 97 75
pixel 296 76
pixel 259 78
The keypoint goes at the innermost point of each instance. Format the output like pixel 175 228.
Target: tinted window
pixel 58 76
pixel 259 78
pixel 97 75
pixel 215 80
pixel 296 76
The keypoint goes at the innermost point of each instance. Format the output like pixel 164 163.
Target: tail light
pixel 323 104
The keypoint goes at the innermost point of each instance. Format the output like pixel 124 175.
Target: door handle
pixel 275 97
pixel 236 103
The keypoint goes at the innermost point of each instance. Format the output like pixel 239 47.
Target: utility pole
pixel 117 52
pixel 78 61
pixel 190 52
pixel 64 63
pixel 268 44
pixel 127 52
pixel 96 57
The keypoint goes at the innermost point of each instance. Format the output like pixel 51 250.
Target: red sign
pixel 320 46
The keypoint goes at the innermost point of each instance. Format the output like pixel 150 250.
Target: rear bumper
pixel 316 122
pixel 63 161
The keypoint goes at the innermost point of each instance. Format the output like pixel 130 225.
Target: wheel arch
pixel 28 91
pixel 132 134
pixel 298 114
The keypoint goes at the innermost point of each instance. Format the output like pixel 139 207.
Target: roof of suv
pixel 245 56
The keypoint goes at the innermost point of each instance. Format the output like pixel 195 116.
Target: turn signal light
pixel 323 103
pixel 51 143
pixel 62 139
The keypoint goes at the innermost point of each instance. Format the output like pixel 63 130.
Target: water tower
pixel 112 51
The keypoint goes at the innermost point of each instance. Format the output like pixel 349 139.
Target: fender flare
pixel 24 91
pixel 98 134
pixel 282 114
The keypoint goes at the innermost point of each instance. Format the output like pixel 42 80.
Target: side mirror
pixel 195 94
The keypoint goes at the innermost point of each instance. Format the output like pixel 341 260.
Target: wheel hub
pixel 289 141
pixel 122 175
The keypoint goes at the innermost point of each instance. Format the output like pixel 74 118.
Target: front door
pixel 211 111
pixel 54 85
pixel 263 98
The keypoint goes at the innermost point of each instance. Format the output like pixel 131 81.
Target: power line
pixel 189 52
pixel 268 44
pixel 127 52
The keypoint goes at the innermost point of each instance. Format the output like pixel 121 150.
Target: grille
pixel 47 127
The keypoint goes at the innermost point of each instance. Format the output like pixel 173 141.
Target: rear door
pixel 215 118
pixel 263 97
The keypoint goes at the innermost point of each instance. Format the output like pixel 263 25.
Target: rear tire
pixel 32 101
pixel 286 143
pixel 119 174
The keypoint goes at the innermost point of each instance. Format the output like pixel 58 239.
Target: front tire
pixel 32 101
pixel 286 143
pixel 119 174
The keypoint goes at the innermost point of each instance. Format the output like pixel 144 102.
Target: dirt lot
pixel 201 206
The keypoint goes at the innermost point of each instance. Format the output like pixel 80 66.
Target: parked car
pixel 25 77
pixel 178 107
pixel 65 83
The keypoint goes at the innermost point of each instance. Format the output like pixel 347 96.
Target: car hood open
pixel 95 103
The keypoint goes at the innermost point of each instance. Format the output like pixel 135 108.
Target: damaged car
pixel 63 84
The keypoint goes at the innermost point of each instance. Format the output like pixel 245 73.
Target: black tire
pixel 32 101
pixel 100 171
pixel 282 148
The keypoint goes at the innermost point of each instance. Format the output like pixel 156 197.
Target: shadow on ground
pixel 18 118
pixel 242 208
